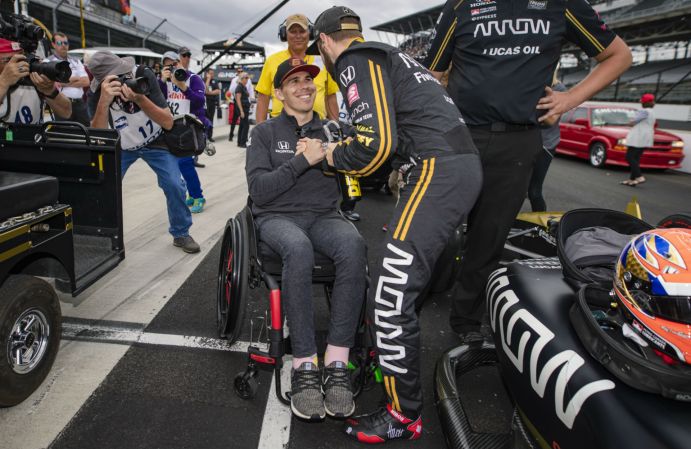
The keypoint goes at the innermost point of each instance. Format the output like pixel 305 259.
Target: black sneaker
pixel 338 393
pixel 187 244
pixel 306 399
pixel 351 215
pixel 383 425
pixel 211 139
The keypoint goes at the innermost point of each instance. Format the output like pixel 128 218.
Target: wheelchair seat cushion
pixel 23 192
pixel 324 267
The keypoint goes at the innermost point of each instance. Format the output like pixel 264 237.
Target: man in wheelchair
pixel 295 205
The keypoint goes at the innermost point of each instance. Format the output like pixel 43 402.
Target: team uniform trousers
pixel 439 193
pixel 507 163
pixel 295 237
pixel 165 165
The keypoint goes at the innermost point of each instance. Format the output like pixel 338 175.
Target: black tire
pixel 231 294
pixel 245 385
pixel 597 155
pixel 680 220
pixel 31 323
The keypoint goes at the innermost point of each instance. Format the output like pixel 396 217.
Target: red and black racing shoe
pixel 383 425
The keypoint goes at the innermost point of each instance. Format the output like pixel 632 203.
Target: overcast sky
pixel 213 20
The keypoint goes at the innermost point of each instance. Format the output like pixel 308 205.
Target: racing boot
pixel 383 425
pixel 338 394
pixel 306 399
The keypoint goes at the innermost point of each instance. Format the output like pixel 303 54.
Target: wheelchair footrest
pixel 261 357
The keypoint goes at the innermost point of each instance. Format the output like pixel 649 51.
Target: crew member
pixel 140 119
pixel 295 205
pixel 427 134
pixel 74 89
pixel 503 55
pixel 212 92
pixel 295 30
pixel 195 82
pixel 21 101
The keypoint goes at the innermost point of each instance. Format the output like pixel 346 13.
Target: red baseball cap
pixel 647 98
pixel 9 46
pixel 294 65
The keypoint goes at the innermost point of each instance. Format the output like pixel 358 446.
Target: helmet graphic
pixel 652 284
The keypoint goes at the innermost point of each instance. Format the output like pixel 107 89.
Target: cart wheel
pixel 246 385
pixel 30 330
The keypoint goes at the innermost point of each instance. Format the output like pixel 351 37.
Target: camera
pixel 22 30
pixel 139 85
pixel 180 74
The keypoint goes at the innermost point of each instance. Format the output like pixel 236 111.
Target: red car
pixel 598 133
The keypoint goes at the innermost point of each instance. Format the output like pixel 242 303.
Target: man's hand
pixel 110 88
pixel 128 94
pixel 16 69
pixel 166 73
pixel 556 103
pixel 42 83
pixel 311 149
pixel 182 85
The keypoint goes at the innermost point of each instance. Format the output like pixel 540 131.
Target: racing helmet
pixel 652 285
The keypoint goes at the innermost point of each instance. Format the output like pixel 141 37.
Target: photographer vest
pixel 177 101
pixel 22 105
pixel 136 129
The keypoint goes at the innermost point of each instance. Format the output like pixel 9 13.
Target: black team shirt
pixel 504 52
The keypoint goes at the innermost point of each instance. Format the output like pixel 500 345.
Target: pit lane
pixel 128 376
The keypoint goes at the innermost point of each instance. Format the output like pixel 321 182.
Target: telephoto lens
pixel 138 85
pixel 55 70
pixel 180 74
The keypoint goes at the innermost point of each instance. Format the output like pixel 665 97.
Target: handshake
pixel 314 150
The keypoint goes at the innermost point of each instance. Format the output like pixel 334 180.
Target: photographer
pixel 140 118
pixel 195 93
pixel 177 86
pixel 23 93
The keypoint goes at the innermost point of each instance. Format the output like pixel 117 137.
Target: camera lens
pixel 180 74
pixel 55 71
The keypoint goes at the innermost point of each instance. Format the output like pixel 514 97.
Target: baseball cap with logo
pixel 297 19
pixel 647 98
pixel 9 46
pixel 329 22
pixel 293 65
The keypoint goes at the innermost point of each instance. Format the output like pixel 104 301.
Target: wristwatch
pixel 53 94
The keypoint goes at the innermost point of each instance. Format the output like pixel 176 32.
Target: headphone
pixel 283 31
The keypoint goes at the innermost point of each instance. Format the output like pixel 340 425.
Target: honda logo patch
pixel 283 145
pixel 347 76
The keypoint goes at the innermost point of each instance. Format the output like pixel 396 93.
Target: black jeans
pixel 537 179
pixel 236 114
pixel 633 157
pixel 243 130
pixel 210 113
pixel 295 237
pixel 507 162
pixel 438 194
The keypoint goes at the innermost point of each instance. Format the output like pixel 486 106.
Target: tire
pixel 680 220
pixel 232 282
pixel 31 323
pixel 597 155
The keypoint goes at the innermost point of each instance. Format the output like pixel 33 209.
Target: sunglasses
pixel 62 43
pixel 186 55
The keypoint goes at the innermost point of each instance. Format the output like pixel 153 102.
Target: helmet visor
pixel 673 308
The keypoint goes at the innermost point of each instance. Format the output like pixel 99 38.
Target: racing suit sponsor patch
pixel 347 76
pixel 353 94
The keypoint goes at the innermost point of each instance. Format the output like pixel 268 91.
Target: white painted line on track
pixel 275 431
pixel 122 335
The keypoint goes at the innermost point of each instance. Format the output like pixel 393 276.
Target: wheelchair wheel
pixel 245 385
pixel 232 281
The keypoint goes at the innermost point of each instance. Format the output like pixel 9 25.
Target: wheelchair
pixel 245 263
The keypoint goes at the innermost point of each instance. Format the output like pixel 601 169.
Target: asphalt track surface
pixel 166 396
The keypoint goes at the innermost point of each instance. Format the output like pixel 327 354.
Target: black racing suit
pixel 503 55
pixel 398 108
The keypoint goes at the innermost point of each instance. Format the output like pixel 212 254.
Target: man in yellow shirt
pixel 296 31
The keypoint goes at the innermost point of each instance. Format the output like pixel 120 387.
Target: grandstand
pixel 659 32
